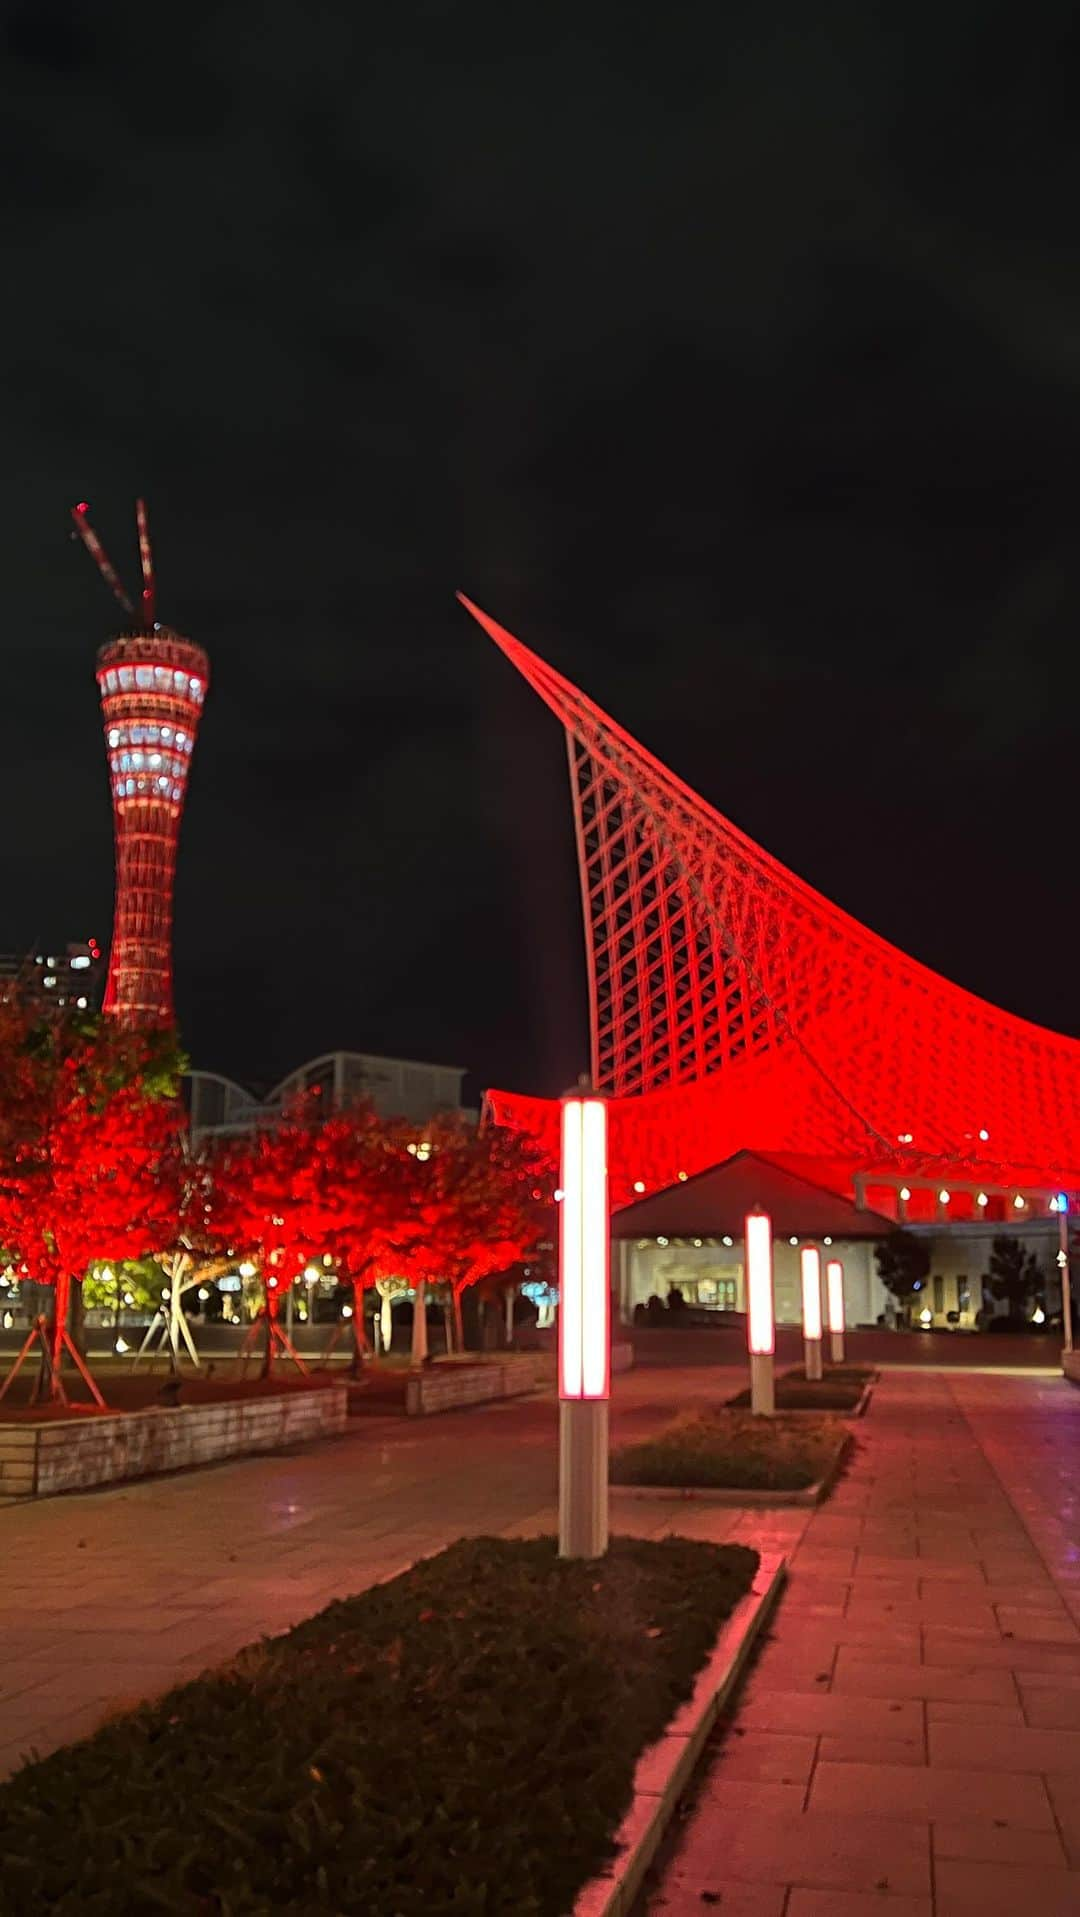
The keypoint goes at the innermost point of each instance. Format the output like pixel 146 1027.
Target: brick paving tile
pixel 828 1712
pixel 820 1852
pixel 987 1747
pixel 971 1889
pixel 959 1683
pixel 677 1899
pixel 777 1757
pixel 1065 1797
pixel 1050 1710
pixel 941 1710
pixel 847 1747
pixel 853 1903
pixel 948 1561
pixel 998 1844
pixel 1037 1626
pixel 897 1790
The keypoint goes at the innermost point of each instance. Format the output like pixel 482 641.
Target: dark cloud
pixel 730 358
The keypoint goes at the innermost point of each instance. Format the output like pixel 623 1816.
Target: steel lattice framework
pixel 152 683
pixel 152 691
pixel 736 1006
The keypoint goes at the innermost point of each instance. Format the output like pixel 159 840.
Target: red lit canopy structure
pixel 734 1008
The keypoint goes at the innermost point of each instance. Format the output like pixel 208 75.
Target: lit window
pixel 110 679
pixel 114 735
pixel 197 691
pixel 126 677
pixel 161 678
pixel 180 681
pixel 137 760
pixel 180 737
pixel 154 760
pixel 177 793
pixel 166 734
pixel 144 677
pixel 138 734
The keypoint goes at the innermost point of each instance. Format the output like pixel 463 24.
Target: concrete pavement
pixel 908 1744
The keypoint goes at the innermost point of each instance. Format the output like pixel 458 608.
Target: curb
pixel 751 1499
pixel 665 1768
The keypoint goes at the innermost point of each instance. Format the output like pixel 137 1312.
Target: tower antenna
pixel 98 554
pixel 146 559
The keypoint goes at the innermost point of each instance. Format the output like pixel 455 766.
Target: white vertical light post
pixel 584 1328
pixel 760 1327
pixel 834 1278
pixel 810 1261
pixel 1063 1271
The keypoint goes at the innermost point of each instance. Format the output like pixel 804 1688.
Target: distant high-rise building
pixel 67 977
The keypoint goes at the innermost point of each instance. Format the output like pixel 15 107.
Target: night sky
pixel 731 357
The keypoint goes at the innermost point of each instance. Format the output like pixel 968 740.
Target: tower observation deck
pixel 152 690
pixel 152 683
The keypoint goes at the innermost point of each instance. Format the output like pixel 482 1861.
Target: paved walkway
pixel 908 1744
pixel 115 1595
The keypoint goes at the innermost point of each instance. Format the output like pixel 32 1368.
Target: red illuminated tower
pixel 153 683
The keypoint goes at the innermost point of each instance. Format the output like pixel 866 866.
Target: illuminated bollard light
pixel 760 1330
pixel 810 1259
pixel 584 1329
pixel 834 1279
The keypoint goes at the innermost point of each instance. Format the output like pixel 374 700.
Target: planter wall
pixel 1070 1365
pixel 39 1460
pixel 451 1386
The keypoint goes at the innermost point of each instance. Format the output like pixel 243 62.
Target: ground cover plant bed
pixel 463 1738
pixel 731 1449
pixel 841 1389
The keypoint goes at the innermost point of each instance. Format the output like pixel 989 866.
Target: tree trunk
pixel 419 1325
pixel 76 1317
pixel 386 1320
pixel 361 1349
pixel 448 1324
pixel 510 1295
pixel 459 1329
pixel 268 1349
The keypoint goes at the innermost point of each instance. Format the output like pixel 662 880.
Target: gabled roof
pixel 715 1202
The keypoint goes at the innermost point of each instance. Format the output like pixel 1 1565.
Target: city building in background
pixel 152 684
pixel 60 976
pixel 396 1087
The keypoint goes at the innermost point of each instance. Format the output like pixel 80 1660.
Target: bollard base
pixel 762 1389
pixel 583 1477
pixel 812 1359
pixel 836 1347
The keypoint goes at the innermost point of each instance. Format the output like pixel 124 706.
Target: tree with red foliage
pixel 276 1200
pixel 90 1156
pixel 480 1203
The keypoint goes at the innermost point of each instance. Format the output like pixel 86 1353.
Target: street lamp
pixel 760 1328
pixel 584 1328
pixel 810 1260
pixel 834 1281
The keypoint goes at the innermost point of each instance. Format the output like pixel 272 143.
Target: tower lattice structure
pixel 734 1006
pixel 152 683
